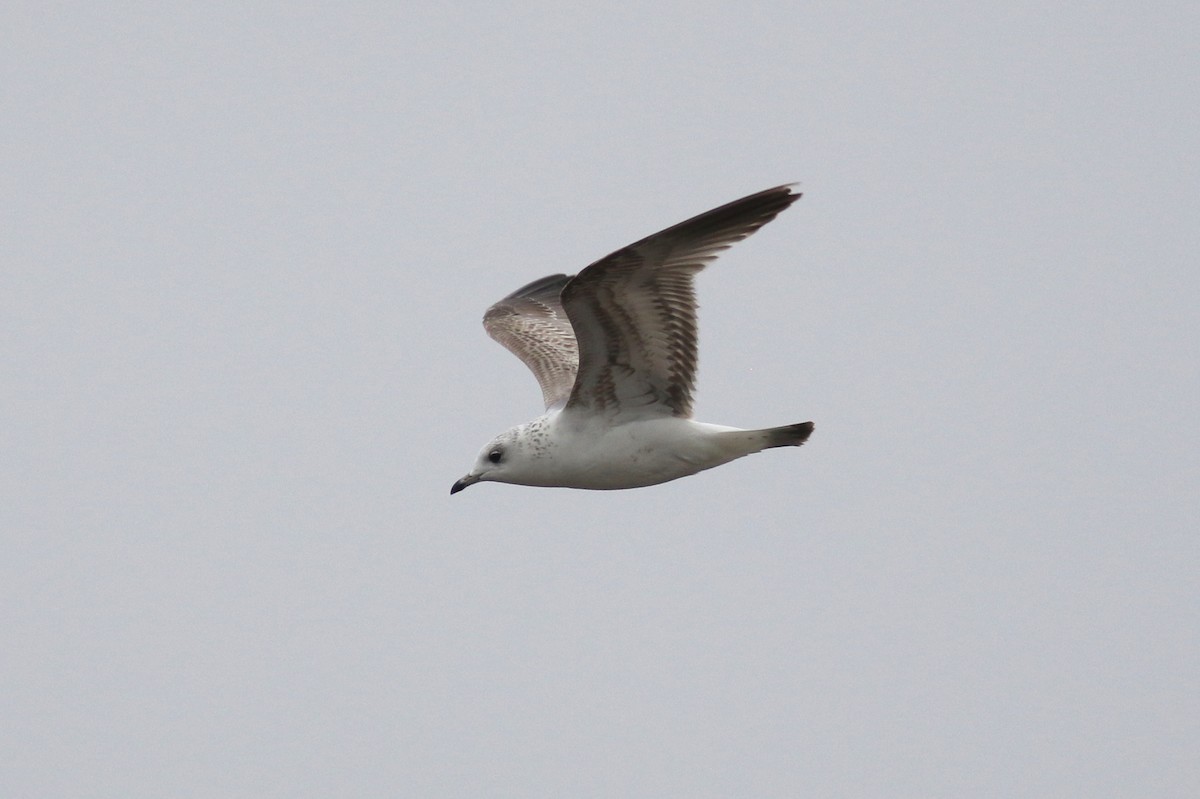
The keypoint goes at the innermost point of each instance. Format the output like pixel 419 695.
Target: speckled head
pixel 514 456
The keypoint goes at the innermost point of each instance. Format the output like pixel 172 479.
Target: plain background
pixel 245 249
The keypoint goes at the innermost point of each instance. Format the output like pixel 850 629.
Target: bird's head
pixel 500 460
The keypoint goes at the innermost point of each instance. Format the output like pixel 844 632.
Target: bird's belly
pixel 632 456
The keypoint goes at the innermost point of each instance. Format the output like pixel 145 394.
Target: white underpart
pixel 559 450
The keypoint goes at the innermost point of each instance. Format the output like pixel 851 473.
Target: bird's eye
pixel 495 455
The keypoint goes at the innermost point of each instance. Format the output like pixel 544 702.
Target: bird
pixel 614 350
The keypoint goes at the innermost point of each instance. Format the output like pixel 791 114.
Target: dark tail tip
pixel 791 435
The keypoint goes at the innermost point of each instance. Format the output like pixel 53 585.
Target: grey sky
pixel 243 262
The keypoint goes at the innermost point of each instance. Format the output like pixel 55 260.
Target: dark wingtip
pixel 549 286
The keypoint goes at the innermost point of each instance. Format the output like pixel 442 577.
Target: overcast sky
pixel 244 254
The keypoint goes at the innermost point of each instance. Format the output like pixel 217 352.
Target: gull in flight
pixel 614 351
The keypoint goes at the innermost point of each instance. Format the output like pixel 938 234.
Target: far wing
pixel 532 325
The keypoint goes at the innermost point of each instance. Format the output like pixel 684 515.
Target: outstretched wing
pixel 532 325
pixel 634 311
